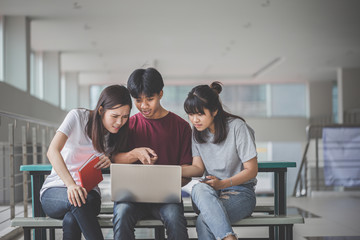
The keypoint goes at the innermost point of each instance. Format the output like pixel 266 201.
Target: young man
pixel 156 136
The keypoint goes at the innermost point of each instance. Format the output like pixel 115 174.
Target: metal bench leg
pixel 159 233
pixel 27 233
pixel 282 234
pixel 271 232
pixel 289 232
pixel 52 233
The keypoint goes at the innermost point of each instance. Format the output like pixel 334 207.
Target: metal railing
pixel 313 132
pixel 24 140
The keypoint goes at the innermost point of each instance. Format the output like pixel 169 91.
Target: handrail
pixel 15 140
pixel 28 119
pixel 311 133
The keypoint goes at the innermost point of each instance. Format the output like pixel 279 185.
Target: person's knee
pixel 71 229
pixel 200 189
pixel 93 202
pixel 123 212
pixel 70 221
pixel 173 214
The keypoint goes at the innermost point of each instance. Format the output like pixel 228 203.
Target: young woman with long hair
pixel 82 134
pixel 223 148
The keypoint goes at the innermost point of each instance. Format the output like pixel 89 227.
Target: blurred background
pixel 285 65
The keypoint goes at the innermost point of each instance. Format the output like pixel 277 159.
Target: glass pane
pixel 95 91
pixel 288 100
pixel 174 97
pixel 245 100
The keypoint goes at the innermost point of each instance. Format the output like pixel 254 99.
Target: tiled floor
pixel 328 216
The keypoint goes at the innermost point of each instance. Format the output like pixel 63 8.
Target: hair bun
pixel 216 86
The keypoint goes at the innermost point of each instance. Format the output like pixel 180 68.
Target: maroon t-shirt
pixel 169 137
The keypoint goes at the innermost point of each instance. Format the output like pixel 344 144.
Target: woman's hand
pixel 104 162
pixel 76 195
pixel 214 182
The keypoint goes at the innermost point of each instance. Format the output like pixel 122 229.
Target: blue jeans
pixel 83 219
pixel 127 214
pixel 218 209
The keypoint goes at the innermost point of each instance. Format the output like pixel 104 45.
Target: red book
pixel 90 176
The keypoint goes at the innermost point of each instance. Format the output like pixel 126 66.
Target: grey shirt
pixel 226 159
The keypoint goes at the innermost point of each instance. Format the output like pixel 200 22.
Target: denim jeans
pixel 126 215
pixel 83 219
pixel 218 209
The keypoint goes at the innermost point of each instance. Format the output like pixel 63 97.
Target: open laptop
pixel 145 183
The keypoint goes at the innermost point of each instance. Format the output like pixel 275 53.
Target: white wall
pixel 17 101
pixel 320 94
pixel 279 129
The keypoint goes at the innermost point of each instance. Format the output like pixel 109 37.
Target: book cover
pixel 90 176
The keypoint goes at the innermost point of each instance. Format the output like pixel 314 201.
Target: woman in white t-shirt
pixel 224 149
pixel 82 134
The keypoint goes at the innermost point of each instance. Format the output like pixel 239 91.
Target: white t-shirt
pixel 78 148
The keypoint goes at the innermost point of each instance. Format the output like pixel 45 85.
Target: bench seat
pixel 107 208
pixel 106 222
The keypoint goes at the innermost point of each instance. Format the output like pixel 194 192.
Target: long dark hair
pixel 111 97
pixel 204 96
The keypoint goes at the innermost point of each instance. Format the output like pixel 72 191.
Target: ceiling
pixel 191 42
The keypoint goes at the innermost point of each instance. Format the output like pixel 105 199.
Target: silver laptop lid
pixel 145 183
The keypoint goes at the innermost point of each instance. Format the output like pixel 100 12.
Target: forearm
pixel 249 172
pixel 126 157
pixel 60 168
pixel 189 171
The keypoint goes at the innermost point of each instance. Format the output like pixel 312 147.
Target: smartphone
pixel 204 179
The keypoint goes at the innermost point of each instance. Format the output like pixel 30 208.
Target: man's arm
pixel 145 155
pixel 185 180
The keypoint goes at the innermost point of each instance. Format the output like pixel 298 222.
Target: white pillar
pixel 320 101
pixel 84 96
pixel 51 75
pixel 71 90
pixel 348 91
pixel 17 51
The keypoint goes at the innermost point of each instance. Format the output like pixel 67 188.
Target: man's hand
pixel 145 155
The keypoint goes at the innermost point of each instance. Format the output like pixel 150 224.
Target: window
pixel 63 92
pixel 245 100
pixel 36 75
pixel 282 100
pixel 95 91
pixel 288 100
pixel 174 97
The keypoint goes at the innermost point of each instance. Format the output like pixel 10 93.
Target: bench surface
pixel 106 221
pixel 107 208
pixel 261 165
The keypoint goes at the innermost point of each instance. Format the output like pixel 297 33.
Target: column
pixel 71 90
pixel 51 75
pixel 348 91
pixel 84 96
pixel 17 51
pixel 320 101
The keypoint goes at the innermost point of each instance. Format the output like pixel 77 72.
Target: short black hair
pixel 145 82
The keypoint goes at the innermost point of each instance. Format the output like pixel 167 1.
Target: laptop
pixel 145 183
